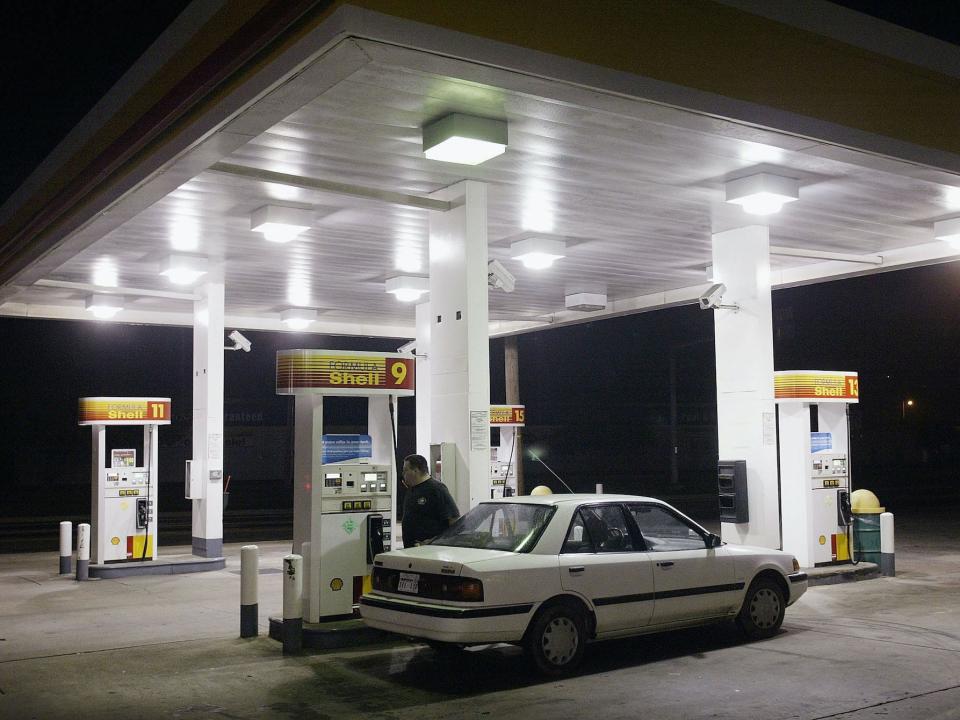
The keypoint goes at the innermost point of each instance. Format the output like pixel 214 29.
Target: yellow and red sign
pixel 816 386
pixel 343 372
pixel 124 411
pixel 501 415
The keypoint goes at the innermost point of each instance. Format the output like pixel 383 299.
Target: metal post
pixel 599 488
pixel 887 561
pixel 66 547
pixel 291 632
pixel 83 551
pixel 249 602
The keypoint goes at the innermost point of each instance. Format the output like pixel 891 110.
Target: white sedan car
pixel 553 572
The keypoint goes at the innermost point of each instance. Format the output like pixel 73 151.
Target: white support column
pixel 744 351
pixel 459 337
pixel 208 419
pixel 423 380
pixel 98 510
pixel 307 460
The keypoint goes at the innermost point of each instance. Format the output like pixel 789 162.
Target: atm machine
pixel 124 494
pixel 344 485
pixel 814 459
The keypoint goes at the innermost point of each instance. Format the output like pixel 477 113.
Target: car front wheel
pixel 555 640
pixel 763 607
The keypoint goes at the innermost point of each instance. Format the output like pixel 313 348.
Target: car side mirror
pixel 713 541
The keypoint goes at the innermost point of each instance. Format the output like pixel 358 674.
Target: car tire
pixel 763 607
pixel 555 641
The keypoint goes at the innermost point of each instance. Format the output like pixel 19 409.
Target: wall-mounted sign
pixel 124 411
pixel 501 415
pixel 343 372
pixel 816 386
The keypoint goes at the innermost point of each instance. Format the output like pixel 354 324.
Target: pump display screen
pixel 370 477
pixel 333 480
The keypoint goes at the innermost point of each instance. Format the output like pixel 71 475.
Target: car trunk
pixel 425 572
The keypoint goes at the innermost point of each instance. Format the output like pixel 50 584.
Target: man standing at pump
pixel 428 508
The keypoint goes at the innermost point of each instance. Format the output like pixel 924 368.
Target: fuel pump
pixel 124 494
pixel 505 419
pixel 813 443
pixel 345 495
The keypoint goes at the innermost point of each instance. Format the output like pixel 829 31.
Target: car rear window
pixel 511 527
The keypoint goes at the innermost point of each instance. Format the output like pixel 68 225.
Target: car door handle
pixel 665 564
pixel 575 570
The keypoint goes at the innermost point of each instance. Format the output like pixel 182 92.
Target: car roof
pixel 577 498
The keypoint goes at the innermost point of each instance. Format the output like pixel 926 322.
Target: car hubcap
pixel 765 608
pixel 560 640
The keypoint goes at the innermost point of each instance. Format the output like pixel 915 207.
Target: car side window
pixel 663 531
pixel 578 539
pixel 598 528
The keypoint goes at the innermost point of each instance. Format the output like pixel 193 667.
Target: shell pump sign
pixel 344 372
pixel 124 411
pixel 816 386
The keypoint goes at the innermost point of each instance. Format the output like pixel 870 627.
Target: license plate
pixel 409 583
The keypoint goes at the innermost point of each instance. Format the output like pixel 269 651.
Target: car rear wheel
pixel 763 607
pixel 555 640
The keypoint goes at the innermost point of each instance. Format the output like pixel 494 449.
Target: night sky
pixel 597 394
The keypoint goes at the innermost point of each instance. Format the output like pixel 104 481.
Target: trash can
pixel 866 525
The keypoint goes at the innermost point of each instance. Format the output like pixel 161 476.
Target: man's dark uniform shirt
pixel 427 509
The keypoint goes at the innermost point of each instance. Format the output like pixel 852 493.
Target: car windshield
pixel 511 527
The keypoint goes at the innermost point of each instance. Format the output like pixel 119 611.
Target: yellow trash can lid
pixel 864 501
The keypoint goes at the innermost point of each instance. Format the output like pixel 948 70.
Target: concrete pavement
pixel 168 647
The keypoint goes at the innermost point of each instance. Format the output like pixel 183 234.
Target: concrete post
pixel 745 405
pixel 599 488
pixel 888 565
pixel 208 419
pixel 460 337
pixel 249 595
pixel 424 434
pixel 291 632
pixel 83 551
pixel 66 547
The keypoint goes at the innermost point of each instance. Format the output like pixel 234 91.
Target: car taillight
pixel 796 565
pixel 463 589
pixel 378 579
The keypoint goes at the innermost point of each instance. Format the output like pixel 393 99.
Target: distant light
pixel 538 253
pixel 948 230
pixel 280 223
pixel 183 269
pixel 464 139
pixel 763 193
pixel 407 288
pixel 910 403
pixel 104 307
pixel 298 318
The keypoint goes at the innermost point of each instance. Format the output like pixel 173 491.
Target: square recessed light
pixel 464 139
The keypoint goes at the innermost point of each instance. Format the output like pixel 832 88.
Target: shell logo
pixel 114 540
pixel 823 539
pixel 336 584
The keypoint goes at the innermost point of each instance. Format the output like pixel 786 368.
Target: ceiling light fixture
pixel 183 269
pixel 298 318
pixel 279 223
pixel 104 307
pixel 407 288
pixel 948 230
pixel 464 139
pixel 538 253
pixel 586 302
pixel 762 194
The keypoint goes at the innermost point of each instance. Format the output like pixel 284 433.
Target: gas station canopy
pixel 629 176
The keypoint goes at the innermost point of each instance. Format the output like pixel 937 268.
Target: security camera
pixel 712 299
pixel 499 277
pixel 239 341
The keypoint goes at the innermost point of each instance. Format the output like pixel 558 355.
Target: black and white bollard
pixel 83 551
pixel 888 566
pixel 291 632
pixel 249 604
pixel 66 547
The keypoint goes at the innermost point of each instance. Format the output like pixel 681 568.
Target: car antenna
pixel 535 457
